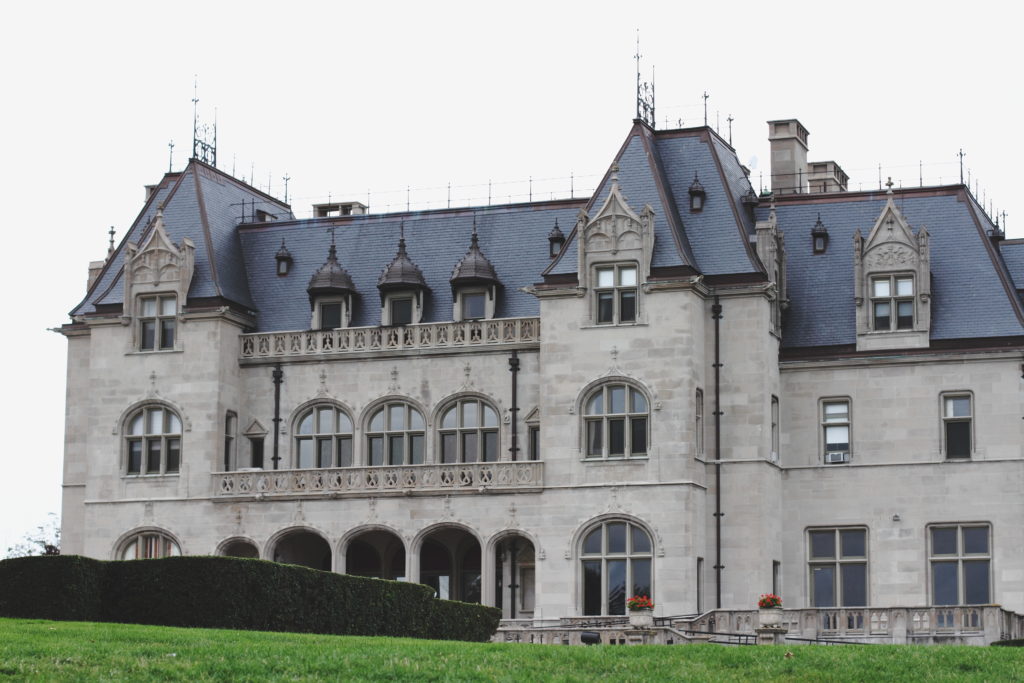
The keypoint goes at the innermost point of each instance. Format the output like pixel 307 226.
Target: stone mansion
pixel 675 387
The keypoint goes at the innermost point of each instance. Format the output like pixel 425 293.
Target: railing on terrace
pixel 400 479
pixel 447 335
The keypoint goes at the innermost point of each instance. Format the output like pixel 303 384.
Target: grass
pixel 56 651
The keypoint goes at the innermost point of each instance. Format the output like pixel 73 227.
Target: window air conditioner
pixel 834 457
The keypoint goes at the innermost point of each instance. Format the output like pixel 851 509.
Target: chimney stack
pixel 788 140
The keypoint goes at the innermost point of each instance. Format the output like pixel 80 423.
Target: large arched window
pixel 615 422
pixel 153 441
pixel 394 435
pixel 149 545
pixel 469 432
pixel 615 565
pixel 323 438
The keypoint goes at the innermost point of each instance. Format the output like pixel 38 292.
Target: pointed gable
pixel 159 265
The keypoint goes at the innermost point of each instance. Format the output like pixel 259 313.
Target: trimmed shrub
pixel 1019 642
pixel 65 587
pixel 222 592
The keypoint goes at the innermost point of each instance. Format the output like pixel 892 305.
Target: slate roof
pixel 1013 257
pixel 206 205
pixel 969 295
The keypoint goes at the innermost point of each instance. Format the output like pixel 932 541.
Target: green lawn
pixel 52 650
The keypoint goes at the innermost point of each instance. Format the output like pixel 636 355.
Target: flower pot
pixel 641 618
pixel 769 616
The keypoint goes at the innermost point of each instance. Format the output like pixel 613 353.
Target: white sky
pixel 348 97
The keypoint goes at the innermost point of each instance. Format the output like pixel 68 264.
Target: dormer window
pixel 473 305
pixel 819 237
pixel 616 294
pixel 284 260
pixel 157 322
pixel 892 303
pixel 556 239
pixel 400 308
pixel 697 195
pixel 330 314
pixel 330 293
pixel 474 284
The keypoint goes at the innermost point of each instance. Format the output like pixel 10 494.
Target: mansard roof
pixel 203 204
pixel 474 266
pixel 1013 257
pixel 971 298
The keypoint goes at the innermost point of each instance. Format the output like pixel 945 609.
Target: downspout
pixel 716 315
pixel 278 376
pixel 513 367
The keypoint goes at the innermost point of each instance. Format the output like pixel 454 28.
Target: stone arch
pixel 392 556
pixel 370 408
pixel 449 558
pixel 513 554
pixel 594 386
pixel 442 406
pixel 233 546
pixel 300 544
pixel 127 537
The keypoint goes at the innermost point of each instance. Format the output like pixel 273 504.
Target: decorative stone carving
pixel 158 265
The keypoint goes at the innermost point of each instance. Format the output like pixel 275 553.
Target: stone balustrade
pixel 447 336
pixel 379 480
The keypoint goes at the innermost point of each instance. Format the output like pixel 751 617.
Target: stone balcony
pixel 446 337
pixel 401 480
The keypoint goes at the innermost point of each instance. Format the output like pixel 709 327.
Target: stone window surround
pixel 837 561
pixel 315 436
pixel 959 557
pixel 629 555
pixel 143 410
pixel 945 420
pixel 604 418
pixel 158 319
pixel 617 290
pixel 317 316
pixel 824 425
pixel 459 430
pixel 169 544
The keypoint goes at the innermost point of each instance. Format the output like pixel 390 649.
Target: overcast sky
pixel 356 98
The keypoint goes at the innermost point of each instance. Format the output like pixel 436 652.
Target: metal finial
pixel 286 178
pixel 330 230
pixel 110 249
pixel 706 107
pixel 474 227
pixel 889 185
pixel 170 160
pixel 962 155
pixel 730 120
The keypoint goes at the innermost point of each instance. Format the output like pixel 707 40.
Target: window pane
pixel 617 399
pixel 490 447
pixel 330 316
pixel 641 577
pixel 149 307
pixel 416 445
pixel 469 447
pixel 605 277
pixel 396 450
pixel 627 277
pixel 638 403
pixel 627 306
pixel 305 459
pixel 837 411
pixel 944 541
pixel 904 286
pixel 592 543
pixel 823 586
pixel 401 311
pixel 591 587
pixel 641 541
pixel 448 419
pixel 855 584
pixel 376 444
pixel 904 315
pixel 344 423
pixel 136 425
pixel 448 452
pixel 944 586
pixel 823 544
pixel 605 307
pixel 323 453
pixel 976 590
pixel 168 305
pixel 256 451
pixel 166 334
pixel 837 438
pixel 325 421
pixel 472 306
pixel 490 417
pixel 153 456
pixel 148 335
pixel 344 451
pixel 377 421
pixel 880 288
pixel 173 423
pixel 616 537
pixel 882 316
pixel 595 444
pixel 173 455
pixel 616 586
pixel 958 406
pixel 595 406
pixel 306 424
pixel 638 437
pixel 975 540
pixel 958 439
pixel 851 543
pixel 617 437
pixel 396 417
pixel 134 457
pixel 469 414
pixel 415 419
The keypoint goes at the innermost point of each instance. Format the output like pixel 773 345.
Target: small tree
pixel 45 540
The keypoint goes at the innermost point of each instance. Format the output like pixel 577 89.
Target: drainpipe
pixel 513 367
pixel 278 376
pixel 716 315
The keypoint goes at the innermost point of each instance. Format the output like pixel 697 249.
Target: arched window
pixel 616 422
pixel 615 565
pixel 394 435
pixel 149 545
pixel 153 441
pixel 323 438
pixel 469 432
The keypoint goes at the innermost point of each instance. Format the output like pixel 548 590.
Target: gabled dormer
pixel 402 289
pixel 474 284
pixel 157 276
pixel 615 250
pixel 892 281
pixel 331 293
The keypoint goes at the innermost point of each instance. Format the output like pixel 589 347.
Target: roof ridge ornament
pixel 401 273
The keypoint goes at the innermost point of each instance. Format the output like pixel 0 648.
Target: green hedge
pixel 223 592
